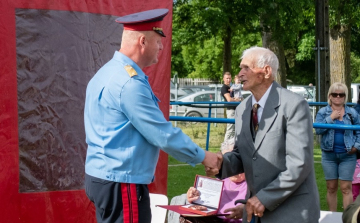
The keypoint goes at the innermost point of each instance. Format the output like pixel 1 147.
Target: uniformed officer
pixel 125 127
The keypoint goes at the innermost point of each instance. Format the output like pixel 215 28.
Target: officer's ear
pixel 142 41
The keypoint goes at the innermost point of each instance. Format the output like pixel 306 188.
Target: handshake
pixel 212 163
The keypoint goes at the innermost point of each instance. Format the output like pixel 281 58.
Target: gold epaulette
pixel 131 71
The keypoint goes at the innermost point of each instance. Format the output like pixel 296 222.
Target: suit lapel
pixel 269 114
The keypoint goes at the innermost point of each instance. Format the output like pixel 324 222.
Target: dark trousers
pixel 118 202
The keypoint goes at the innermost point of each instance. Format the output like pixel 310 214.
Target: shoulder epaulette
pixel 131 71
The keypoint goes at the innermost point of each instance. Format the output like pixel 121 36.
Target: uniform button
pixel 254 158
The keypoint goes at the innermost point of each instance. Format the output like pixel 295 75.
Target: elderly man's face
pixel 250 76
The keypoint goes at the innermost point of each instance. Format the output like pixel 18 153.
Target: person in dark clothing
pixel 230 110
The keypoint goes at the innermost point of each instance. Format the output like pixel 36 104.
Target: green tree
pixel 201 32
pixel 301 62
pixel 281 23
pixel 206 59
pixel 355 54
pixel 207 23
pixel 343 14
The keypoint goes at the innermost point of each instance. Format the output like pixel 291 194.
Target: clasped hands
pixel 212 163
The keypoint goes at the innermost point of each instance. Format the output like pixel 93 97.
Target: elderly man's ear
pixel 268 72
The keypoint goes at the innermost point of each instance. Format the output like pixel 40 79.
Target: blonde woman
pixel 338 146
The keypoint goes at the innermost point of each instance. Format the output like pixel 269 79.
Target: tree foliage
pixel 343 16
pixel 200 27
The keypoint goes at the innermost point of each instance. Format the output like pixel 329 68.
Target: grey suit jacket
pixel 279 165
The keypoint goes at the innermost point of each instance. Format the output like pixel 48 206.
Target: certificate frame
pixel 210 195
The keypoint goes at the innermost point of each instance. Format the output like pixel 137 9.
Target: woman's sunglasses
pixel 341 95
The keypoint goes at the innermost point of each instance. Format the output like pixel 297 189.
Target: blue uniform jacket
pixel 125 127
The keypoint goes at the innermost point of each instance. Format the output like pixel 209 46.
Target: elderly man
pixel 125 127
pixel 273 146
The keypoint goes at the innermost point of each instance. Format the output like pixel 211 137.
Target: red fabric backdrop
pixel 46 204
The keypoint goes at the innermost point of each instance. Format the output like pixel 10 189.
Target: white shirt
pixel 261 102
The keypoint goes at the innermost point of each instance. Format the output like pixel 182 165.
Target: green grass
pixel 197 133
pixel 181 176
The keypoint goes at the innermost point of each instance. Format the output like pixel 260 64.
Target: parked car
pixel 308 92
pixel 201 96
pixel 179 92
pixel 196 88
pixel 355 89
pixel 185 90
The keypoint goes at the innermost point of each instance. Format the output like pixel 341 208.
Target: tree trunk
pixel 227 50
pixel 278 49
pixel 340 55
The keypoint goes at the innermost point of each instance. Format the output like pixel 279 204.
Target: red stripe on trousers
pixel 130 203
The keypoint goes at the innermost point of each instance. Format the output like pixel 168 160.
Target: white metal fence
pixel 194 81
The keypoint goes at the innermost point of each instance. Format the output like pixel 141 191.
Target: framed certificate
pixel 210 195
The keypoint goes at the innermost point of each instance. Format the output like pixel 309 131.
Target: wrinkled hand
pixel 192 194
pixel 254 206
pixel 235 212
pixel 212 163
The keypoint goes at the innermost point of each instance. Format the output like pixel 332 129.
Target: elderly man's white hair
pixel 261 57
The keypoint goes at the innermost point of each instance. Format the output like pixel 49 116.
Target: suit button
pixel 254 158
